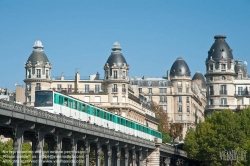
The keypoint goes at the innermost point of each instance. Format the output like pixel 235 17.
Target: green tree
pixel 223 131
pixel 6 154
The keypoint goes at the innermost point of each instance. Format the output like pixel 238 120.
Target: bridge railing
pixel 173 150
pixel 70 121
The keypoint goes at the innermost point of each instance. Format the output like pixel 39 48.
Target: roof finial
pixel 38 44
pixel 116 47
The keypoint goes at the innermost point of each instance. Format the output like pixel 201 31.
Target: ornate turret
pixel 38 70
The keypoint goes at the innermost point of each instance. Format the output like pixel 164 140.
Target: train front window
pixel 43 98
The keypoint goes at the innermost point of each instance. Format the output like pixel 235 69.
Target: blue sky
pixel 152 34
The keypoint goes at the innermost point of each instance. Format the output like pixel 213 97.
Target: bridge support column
pixel 109 154
pixel 98 153
pixel 126 156
pixel 118 155
pixel 58 149
pixel 140 158
pixel 87 151
pixel 133 157
pixel 18 140
pixel 39 144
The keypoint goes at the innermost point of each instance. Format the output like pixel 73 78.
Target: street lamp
pixel 167 161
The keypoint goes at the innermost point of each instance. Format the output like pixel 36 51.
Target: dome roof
pixel 198 76
pixel 179 68
pixel 220 50
pixel 116 56
pixel 238 66
pixel 38 54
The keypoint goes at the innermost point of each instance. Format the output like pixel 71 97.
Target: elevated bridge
pixel 64 134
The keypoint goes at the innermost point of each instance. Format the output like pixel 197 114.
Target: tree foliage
pixel 163 126
pixel 223 131
pixel 175 130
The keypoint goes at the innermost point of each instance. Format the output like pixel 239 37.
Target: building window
pixel 223 78
pixel 188 117
pixel 38 86
pixel 188 100
pixel 179 108
pixel 223 101
pixel 69 88
pixel 223 66
pixel 211 78
pixel 38 73
pixel 211 67
pixel 179 84
pixel 223 89
pixel 150 98
pixel 86 89
pixel 115 89
pixel 187 84
pixel 115 74
pixel 123 88
pixel 179 90
pixel 47 73
pixel 97 88
pixel 123 74
pixel 29 73
pixel 150 90
pixel 211 90
pixel 163 99
pixel 187 90
pixel 163 90
pixel 179 99
pixel 106 74
pixel 240 90
pixel 59 87
pixel 211 101
pixel 140 90
pixel 188 109
pixel 180 118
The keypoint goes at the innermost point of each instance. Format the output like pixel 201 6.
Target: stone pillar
pixel 109 154
pixel 140 158
pixel 40 134
pixel 18 131
pixel 118 156
pixel 73 151
pixel 126 156
pixel 133 157
pixel 58 149
pixel 98 153
pixel 87 151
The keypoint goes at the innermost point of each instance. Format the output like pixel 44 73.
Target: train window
pixel 75 106
pixel 94 111
pixel 65 101
pixel 60 100
pixel 111 118
pixel 104 115
pixel 83 107
pixel 118 120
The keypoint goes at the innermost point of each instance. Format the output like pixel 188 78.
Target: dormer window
pixel 115 74
pixel 240 76
pixel 211 67
pixel 223 66
pixel 47 73
pixel 38 73
pixel 29 73
pixel 106 74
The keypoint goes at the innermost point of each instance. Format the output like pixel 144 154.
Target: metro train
pixel 58 103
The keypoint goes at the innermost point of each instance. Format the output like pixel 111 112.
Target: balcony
pixel 79 90
pixel 114 89
pixel 223 92
pixel 242 93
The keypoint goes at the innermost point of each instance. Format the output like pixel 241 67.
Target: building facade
pixel 180 95
pixel 227 79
